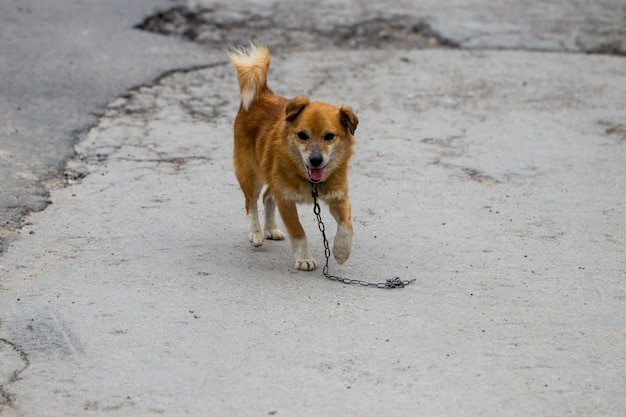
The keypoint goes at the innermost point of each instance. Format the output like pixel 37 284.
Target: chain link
pixel 394 282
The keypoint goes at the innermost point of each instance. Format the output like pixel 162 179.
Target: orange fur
pixel 285 144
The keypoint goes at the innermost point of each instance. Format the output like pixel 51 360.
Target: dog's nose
pixel 316 160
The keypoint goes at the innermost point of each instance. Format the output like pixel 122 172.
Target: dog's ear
pixel 295 106
pixel 348 119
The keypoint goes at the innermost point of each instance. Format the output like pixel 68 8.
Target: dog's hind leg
pixel 271 227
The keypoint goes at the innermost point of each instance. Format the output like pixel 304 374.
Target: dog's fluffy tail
pixel 252 64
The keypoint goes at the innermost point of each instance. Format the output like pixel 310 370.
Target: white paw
pixel 274 234
pixel 306 264
pixel 304 260
pixel 256 238
pixel 254 231
pixel 342 246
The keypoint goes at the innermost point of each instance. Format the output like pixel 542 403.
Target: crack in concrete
pixel 13 374
pixel 615 130
pixel 177 98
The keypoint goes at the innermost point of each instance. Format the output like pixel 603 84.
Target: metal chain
pixel 394 282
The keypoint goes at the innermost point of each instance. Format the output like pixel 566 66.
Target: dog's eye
pixel 303 135
pixel 329 136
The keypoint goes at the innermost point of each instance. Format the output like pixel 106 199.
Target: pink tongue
pixel 316 174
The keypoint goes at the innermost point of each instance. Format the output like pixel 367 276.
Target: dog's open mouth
pixel 316 174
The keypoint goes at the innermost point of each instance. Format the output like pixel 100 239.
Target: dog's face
pixel 320 136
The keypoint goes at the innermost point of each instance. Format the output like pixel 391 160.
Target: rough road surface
pixel 495 178
pixel 61 62
pixel 555 26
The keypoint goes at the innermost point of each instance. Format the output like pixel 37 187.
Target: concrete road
pixel 60 63
pixel 492 177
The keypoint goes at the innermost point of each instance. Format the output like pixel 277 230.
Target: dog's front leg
pixel 342 246
pixel 289 214
pixel 254 231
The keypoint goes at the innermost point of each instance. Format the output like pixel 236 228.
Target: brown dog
pixel 287 145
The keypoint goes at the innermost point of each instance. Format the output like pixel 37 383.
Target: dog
pixel 286 145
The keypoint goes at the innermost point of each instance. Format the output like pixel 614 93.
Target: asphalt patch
pixel 278 29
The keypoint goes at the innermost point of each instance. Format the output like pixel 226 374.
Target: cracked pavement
pixel 554 26
pixel 492 177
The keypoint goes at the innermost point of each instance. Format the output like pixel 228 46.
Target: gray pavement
pixel 60 63
pixel 495 178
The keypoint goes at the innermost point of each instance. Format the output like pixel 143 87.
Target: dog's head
pixel 320 135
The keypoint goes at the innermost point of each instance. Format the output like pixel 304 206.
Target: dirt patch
pixel 278 29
